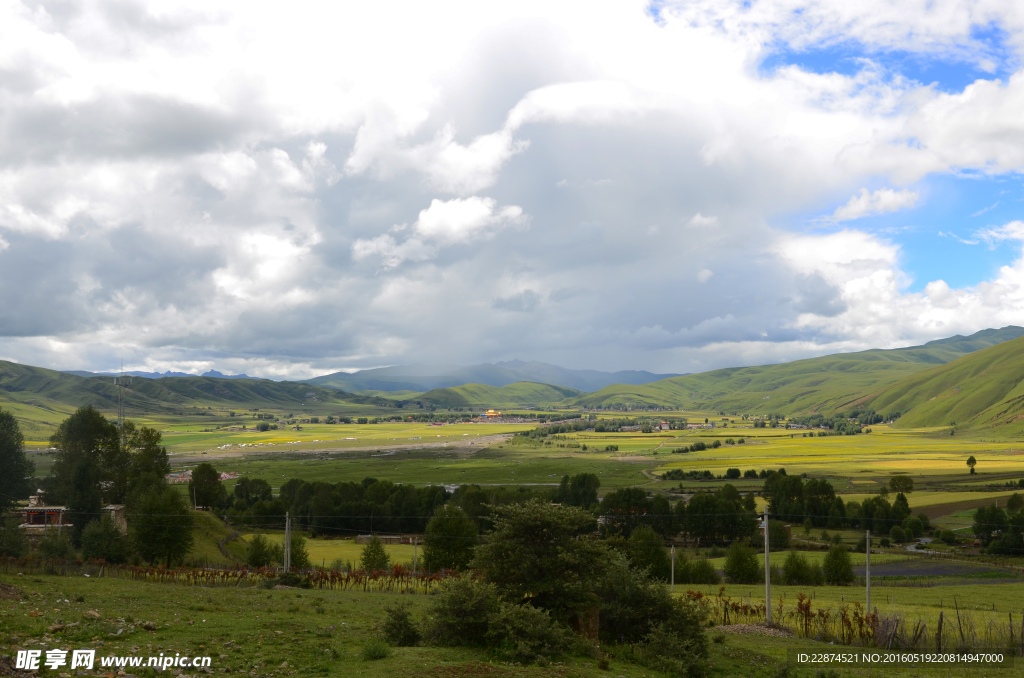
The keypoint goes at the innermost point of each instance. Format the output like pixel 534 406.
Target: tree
pixel 646 549
pixel 838 567
pixel 160 526
pixel 580 490
pixel 374 557
pixel 626 509
pixel 299 556
pixel 205 488
pixel 15 469
pixel 261 552
pixel 543 554
pixel 89 466
pixel 741 565
pixel 102 540
pixel 971 463
pixel 449 540
pixel 1014 503
pixel 901 484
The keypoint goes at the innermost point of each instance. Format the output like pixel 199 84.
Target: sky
pixel 292 189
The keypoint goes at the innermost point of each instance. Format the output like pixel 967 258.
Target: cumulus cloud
pixel 196 186
pixel 882 201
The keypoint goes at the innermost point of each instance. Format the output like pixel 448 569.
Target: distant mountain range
pixel 428 377
pixel 158 375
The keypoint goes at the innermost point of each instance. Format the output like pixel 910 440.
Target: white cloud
pixel 702 221
pixel 999 234
pixel 704 275
pixel 460 220
pixel 882 201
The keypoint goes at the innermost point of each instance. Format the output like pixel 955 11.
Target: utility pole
pixel 415 550
pixel 287 541
pixel 673 589
pixel 867 569
pixel 121 382
pixel 767 573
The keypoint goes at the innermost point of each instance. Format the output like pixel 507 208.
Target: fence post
pixel 767 573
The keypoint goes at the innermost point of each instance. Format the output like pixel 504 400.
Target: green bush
pixel 838 567
pixel 897 534
pixel 697 571
pixel 913 526
pixel 376 649
pixel 523 633
pixel 645 548
pixel 450 539
pixel 741 565
pixel 948 537
pixel 56 544
pixel 261 552
pixel 398 626
pixel 798 572
pixel 778 535
pixel 102 540
pixel 458 613
pixel 13 543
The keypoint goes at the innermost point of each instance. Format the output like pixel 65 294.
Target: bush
pixel 523 633
pixel 13 543
pixel 897 535
pixel 102 540
pixel 913 526
pixel 697 571
pixel 398 626
pixel 716 444
pixel 56 544
pixel 374 557
pixel 741 565
pixel 376 649
pixel 677 646
pixel 798 572
pixel 733 473
pixel 458 614
pixel 838 567
pixel 948 537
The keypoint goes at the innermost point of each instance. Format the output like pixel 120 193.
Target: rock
pixel 149 626
pixel 284 665
pixel 229 643
pixel 91 614
pixel 56 627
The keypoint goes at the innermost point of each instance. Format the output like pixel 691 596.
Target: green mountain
pixel 822 384
pixel 519 394
pixel 427 377
pixel 22 383
pixel 981 390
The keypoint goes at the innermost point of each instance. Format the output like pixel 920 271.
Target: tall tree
pixel 160 526
pixel 205 488
pixel 449 541
pixel 89 467
pixel 15 469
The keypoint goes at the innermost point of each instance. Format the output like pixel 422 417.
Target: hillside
pixel 814 385
pixel 58 390
pixel 519 394
pixel 981 390
pixel 427 377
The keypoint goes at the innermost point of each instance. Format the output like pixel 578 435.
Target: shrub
pixel 56 544
pixel 12 539
pixel 897 534
pixel 733 473
pixel 716 444
pixel 374 557
pixel 750 473
pixel 948 537
pixel 398 626
pixel 261 551
pixel 913 526
pixel 838 567
pixel 677 645
pixel 740 441
pixel 697 571
pixel 102 540
pixel 741 565
pixel 798 572
pixel 458 613
pixel 523 633
pixel 376 649
pixel 646 549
